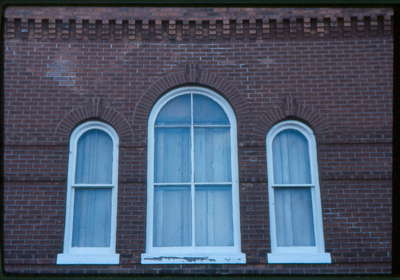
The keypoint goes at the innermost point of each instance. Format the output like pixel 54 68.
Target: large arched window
pixel 193 209
pixel 294 196
pixel 91 207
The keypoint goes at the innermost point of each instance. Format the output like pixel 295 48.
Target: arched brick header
pixel 191 74
pixel 290 109
pixel 94 109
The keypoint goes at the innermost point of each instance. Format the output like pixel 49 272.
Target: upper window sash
pixel 73 149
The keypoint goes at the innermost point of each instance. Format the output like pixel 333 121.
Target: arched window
pixel 294 196
pixel 193 209
pixel 91 208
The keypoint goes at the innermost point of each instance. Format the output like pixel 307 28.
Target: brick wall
pixel 331 68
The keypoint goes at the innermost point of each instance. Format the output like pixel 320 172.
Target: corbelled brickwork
pixel 201 24
pixel 330 68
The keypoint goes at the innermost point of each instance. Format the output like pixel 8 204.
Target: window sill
pixel 299 258
pixel 239 258
pixel 87 259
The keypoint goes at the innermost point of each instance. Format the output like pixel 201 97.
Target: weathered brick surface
pixel 341 85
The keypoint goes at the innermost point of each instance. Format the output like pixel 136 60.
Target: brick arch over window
pixel 189 74
pixel 290 109
pixel 94 109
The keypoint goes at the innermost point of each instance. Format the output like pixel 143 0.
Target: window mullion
pixel 192 171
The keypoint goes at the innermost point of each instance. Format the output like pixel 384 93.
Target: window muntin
pixel 294 198
pixel 90 226
pixel 192 166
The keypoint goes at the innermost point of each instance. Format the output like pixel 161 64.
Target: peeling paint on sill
pixel 188 259
pixel 157 259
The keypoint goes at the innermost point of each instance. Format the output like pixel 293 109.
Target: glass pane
pixel 291 159
pixel 175 112
pixel 172 155
pixel 212 154
pixel 172 225
pixel 94 158
pixel 206 111
pixel 294 217
pixel 214 222
pixel 92 218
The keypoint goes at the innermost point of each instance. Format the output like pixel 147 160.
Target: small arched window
pixel 91 208
pixel 193 209
pixel 294 196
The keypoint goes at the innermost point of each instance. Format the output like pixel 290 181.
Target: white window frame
pixel 296 254
pixel 89 255
pixel 193 254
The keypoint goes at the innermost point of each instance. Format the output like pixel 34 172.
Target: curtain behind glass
pixel 214 225
pixel 172 224
pixel 212 155
pixel 172 155
pixel 94 158
pixel 92 218
pixel 290 158
pixel 294 217
pixel 206 111
pixel 172 216
pixel 175 112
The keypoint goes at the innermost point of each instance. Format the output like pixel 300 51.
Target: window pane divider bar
pixel 211 125
pixel 189 183
pixel 188 125
pixel 192 171
pixel 292 185
pixel 173 184
pixel 213 183
pixel 92 185
pixel 172 126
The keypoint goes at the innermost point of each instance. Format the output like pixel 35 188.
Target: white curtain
pixel 172 155
pixel 175 112
pixel 92 207
pixel 206 111
pixel 212 155
pixel 172 216
pixel 92 218
pixel 94 158
pixel 214 225
pixel 293 205
pixel 291 159
pixel 172 212
pixel 294 217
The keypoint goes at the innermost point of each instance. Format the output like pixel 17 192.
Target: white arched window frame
pixel 192 253
pixel 90 254
pixel 291 253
